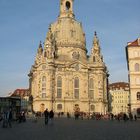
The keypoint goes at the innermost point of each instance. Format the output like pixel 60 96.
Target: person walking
pixel 130 116
pixel 5 119
pixel 51 116
pixel 9 118
pixel 135 117
pixel 46 114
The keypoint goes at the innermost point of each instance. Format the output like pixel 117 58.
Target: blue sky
pixel 23 23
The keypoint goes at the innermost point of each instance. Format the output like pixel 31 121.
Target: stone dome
pixel 68 33
pixel 66 30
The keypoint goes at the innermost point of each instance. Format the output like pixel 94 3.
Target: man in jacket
pixel 46 114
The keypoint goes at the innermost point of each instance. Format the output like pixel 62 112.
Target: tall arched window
pixel 73 33
pixel 44 87
pixel 76 88
pixel 44 79
pixel 59 87
pixel 94 59
pixel 42 108
pixel 67 5
pixel 138 95
pixel 137 67
pixel 92 108
pixel 45 54
pixel 91 88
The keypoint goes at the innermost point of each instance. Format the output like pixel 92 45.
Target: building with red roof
pixel 133 63
pixel 24 94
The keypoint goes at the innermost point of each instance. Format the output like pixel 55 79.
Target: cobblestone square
pixel 70 129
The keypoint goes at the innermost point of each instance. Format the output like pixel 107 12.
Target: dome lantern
pixel 66 8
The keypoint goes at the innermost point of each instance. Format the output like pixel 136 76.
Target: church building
pixel 64 77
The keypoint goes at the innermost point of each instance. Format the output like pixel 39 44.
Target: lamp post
pixel 89 107
pixel 129 108
pixel 64 105
pixel 107 83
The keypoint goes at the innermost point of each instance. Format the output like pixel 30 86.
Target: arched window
pixel 73 33
pixel 92 107
pixel 91 88
pixel 59 107
pixel 76 88
pixel 44 79
pixel 68 5
pixel 45 54
pixel 91 83
pixel 94 59
pixel 138 95
pixel 42 108
pixel 76 108
pixel 44 87
pixel 137 67
pixel 59 87
pixel 48 53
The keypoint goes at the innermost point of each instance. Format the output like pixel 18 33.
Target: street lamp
pixel 64 105
pixel 122 108
pixel 107 88
pixel 89 107
pixel 129 108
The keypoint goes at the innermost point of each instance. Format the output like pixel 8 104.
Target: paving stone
pixel 70 129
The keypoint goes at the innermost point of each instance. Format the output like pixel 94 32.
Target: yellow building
pixel 64 78
pixel 119 97
pixel 133 62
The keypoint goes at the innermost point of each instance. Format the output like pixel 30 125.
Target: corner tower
pixel 133 63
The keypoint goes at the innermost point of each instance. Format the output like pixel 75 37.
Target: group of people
pixel 49 115
pixel 98 116
pixel 123 116
pixel 21 117
pixel 6 118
